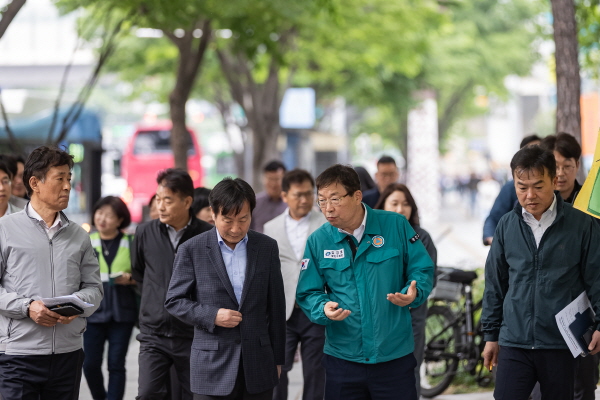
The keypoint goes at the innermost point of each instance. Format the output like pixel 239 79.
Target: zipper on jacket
pixel 52 278
pixel 9 327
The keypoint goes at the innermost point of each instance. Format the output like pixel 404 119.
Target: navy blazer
pixel 200 286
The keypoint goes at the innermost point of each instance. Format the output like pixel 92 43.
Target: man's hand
pixel 40 314
pixel 594 346
pixel 402 300
pixel 488 241
pixel 279 371
pixel 228 318
pixel 124 279
pixel 334 313
pixel 490 355
pixel 67 320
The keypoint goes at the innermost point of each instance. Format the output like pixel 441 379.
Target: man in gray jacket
pixel 43 254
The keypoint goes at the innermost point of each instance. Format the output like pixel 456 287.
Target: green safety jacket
pixel 389 256
pixel 122 261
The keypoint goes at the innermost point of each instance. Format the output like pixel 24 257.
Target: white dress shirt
pixel 51 230
pixel 358 232
pixel 297 232
pixel 539 227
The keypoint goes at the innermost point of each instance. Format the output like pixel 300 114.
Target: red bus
pixel 148 152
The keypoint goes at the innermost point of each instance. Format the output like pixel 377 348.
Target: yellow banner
pixel 588 199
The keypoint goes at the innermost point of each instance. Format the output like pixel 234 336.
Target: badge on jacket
pixel 304 264
pixel 414 238
pixel 335 254
pixel 377 241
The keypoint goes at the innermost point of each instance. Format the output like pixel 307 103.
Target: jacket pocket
pixel 380 256
pixel 208 345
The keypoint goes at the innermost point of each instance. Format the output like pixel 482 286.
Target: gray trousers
pixel 311 336
pixel 418 316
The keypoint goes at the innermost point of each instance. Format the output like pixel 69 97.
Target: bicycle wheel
pixel 440 361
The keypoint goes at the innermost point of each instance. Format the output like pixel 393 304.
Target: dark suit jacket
pixel 200 287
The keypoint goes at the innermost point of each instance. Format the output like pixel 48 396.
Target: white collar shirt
pixel 539 227
pixel 297 232
pixel 358 232
pixel 50 231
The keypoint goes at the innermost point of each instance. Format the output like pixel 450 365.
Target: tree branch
pixel 9 14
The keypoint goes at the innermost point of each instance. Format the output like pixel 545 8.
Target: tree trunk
pixel 190 59
pixel 568 81
pixel 9 14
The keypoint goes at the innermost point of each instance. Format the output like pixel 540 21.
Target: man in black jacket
pixel 164 340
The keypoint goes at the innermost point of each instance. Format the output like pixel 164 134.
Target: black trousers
pixel 586 378
pixel 239 391
pixel 519 370
pixel 157 355
pixel 391 380
pixel 312 338
pixel 44 377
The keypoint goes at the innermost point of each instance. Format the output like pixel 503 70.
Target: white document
pixel 53 301
pixel 566 316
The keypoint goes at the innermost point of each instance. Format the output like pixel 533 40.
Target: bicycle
pixel 451 334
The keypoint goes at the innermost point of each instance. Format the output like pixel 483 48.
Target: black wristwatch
pixel 29 305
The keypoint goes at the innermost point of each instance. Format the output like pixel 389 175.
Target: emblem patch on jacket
pixel 378 241
pixel 414 238
pixel 304 263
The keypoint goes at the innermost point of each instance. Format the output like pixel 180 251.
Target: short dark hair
pixel 200 199
pixel 296 176
pixel 565 144
pixel 533 158
pixel 366 182
pixel 41 160
pixel 151 200
pixel 386 160
pixel 4 167
pixel 345 175
pixel 274 166
pixel 10 162
pixel 528 139
pixel 230 195
pixel 177 181
pixel 19 158
pixel 399 187
pixel 118 206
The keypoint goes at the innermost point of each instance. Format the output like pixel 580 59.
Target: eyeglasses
pixel 334 201
pixel 566 169
pixel 5 182
pixel 298 196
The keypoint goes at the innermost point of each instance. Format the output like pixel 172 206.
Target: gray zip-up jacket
pixel 33 267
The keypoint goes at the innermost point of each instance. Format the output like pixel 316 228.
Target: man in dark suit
pixel 227 283
pixel 387 173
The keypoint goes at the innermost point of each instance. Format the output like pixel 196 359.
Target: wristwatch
pixel 28 305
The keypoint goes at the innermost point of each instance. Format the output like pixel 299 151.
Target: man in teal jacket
pixel 360 274
pixel 544 254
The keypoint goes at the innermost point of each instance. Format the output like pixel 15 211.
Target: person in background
pixel 152 210
pixel 506 200
pixel 290 230
pixel 387 173
pixel 397 198
pixel 567 153
pixel 366 182
pixel 11 163
pixel 269 203
pixel 6 207
pixel 361 273
pixel 44 254
pixel 18 188
pixel 200 206
pixel 113 322
pixel 164 340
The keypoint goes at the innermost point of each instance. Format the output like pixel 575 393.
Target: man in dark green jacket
pixel 544 254
pixel 360 274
